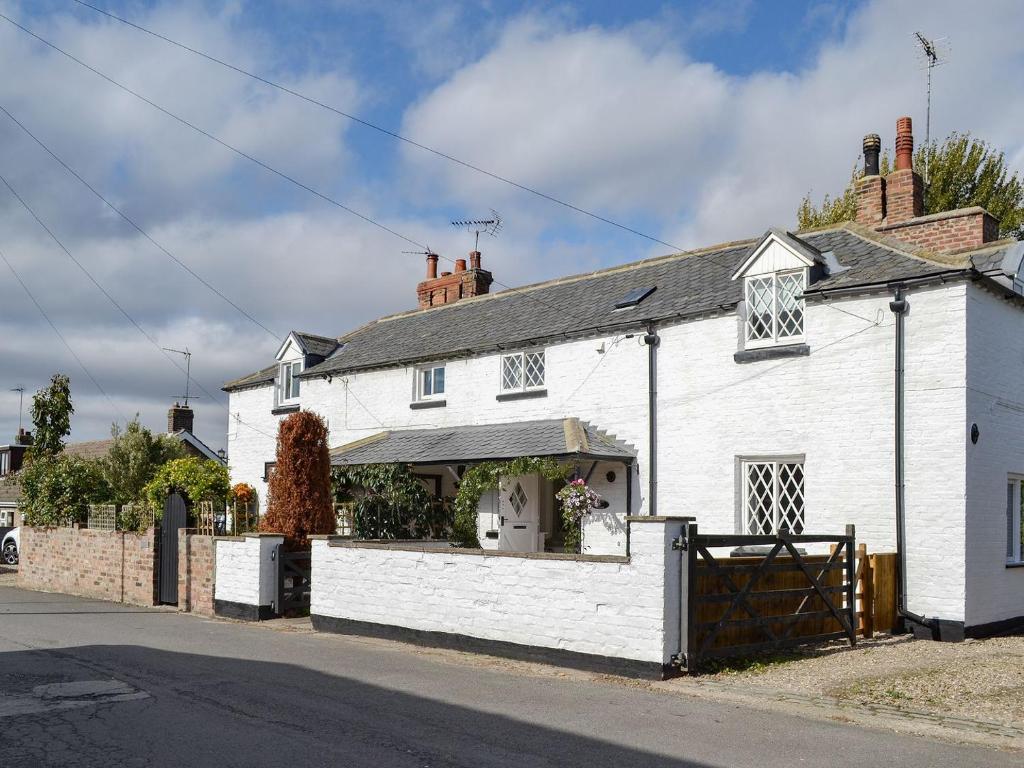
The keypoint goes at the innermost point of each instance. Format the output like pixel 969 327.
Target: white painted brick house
pixel 750 385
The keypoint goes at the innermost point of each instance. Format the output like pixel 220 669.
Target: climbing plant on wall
pixel 483 477
pixel 390 502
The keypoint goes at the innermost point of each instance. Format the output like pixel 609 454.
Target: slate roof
pixel 450 445
pixel 264 376
pixel 321 346
pixel 687 284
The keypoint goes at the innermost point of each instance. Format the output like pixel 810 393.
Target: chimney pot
pixel 431 266
pixel 460 265
pixel 904 144
pixel 872 146
pixel 474 259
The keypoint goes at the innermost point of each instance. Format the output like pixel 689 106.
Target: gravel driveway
pixel 976 679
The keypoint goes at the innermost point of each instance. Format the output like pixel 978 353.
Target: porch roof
pixel 568 437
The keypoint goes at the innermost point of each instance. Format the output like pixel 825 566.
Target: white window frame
pixel 524 359
pixel 287 372
pixel 1014 521
pixel 433 394
pixel 5 462
pixel 778 496
pixel 777 337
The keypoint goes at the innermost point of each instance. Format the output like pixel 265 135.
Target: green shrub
pixel 57 489
pixel 194 478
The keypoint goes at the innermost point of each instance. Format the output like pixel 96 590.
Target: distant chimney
pixel 24 437
pixel 180 417
pixel 894 205
pixel 449 287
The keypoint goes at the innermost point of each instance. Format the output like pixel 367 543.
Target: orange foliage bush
pixel 299 502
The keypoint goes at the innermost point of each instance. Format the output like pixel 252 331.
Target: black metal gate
pixel 294 572
pixel 175 517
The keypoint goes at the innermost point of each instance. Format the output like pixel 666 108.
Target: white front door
pixel 519 511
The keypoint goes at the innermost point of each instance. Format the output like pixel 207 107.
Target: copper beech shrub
pixel 299 501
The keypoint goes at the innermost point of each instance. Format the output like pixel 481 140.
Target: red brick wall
pixel 196 572
pixel 948 233
pixel 108 565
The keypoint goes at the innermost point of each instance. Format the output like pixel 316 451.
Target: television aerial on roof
pixel 489 226
pixel 188 369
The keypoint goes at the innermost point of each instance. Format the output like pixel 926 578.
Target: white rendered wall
pixel 625 609
pixel 834 407
pixel 246 572
pixel 995 402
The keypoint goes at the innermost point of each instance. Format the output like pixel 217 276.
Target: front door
pixel 519 513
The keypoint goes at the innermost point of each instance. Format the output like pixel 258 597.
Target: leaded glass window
pixel 522 371
pixel 775 311
pixel 773 496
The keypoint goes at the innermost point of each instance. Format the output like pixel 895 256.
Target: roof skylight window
pixel 634 297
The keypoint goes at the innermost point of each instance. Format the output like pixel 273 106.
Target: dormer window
pixel 775 309
pixel 288 383
pixel 775 276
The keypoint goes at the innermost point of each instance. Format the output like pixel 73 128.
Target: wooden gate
pixel 733 606
pixel 175 517
pixel 294 572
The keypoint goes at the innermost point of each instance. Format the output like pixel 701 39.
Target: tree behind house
pixel 51 417
pixel 299 501
pixel 134 458
pixel 962 171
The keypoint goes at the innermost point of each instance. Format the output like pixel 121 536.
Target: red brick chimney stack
pixel 894 205
pixel 904 189
pixel 450 287
pixel 871 186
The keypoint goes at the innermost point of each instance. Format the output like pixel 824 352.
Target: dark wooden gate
pixel 175 517
pixel 294 572
pixel 734 606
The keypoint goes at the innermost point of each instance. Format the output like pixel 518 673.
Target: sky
pixel 692 122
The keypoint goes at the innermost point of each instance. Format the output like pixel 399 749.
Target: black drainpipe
pixel 651 339
pixel 899 307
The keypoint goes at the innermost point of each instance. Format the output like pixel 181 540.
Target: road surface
pixel 85 683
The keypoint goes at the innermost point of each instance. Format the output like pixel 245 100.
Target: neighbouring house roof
pixel 89 449
pixel 457 445
pixel 9 494
pixel 202 448
pixel 688 284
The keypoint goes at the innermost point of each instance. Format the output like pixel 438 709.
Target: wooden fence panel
pixel 883 567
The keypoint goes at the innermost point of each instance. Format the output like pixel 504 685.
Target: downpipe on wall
pixel 899 307
pixel 652 340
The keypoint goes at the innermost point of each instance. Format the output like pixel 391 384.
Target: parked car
pixel 9 548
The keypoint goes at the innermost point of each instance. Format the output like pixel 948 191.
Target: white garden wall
pixel 605 612
pixel 246 571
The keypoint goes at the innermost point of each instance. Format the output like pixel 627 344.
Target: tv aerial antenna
pixel 933 53
pixel 188 368
pixel 491 226
pixel 21 403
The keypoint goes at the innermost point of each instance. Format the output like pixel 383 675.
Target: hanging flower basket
pixel 576 500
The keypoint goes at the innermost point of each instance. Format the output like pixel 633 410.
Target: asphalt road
pixel 86 683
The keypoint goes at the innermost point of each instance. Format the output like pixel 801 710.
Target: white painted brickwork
pixel 995 401
pixel 834 407
pixel 246 572
pixel 627 609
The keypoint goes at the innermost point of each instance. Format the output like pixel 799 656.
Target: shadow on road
pixel 205 710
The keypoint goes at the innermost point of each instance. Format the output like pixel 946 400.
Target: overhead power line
pixel 117 411
pixel 265 166
pixel 133 223
pixel 118 306
pixel 382 129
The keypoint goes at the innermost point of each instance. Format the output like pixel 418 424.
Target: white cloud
pixel 609 121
